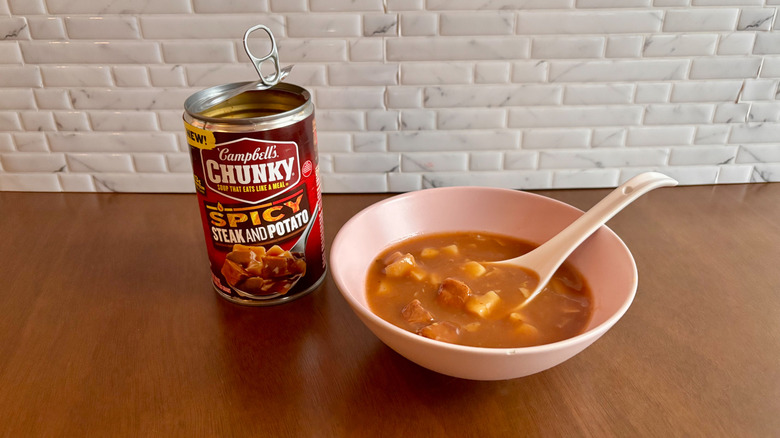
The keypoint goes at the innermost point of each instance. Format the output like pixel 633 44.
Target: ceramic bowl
pixel 603 260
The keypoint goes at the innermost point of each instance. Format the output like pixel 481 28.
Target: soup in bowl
pixel 364 250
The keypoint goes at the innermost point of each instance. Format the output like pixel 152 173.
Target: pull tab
pixel 278 74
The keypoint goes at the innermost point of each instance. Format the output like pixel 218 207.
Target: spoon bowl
pixel 548 257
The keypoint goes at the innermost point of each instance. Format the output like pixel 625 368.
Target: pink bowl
pixel 603 259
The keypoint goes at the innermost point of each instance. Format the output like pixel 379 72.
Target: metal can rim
pixel 194 107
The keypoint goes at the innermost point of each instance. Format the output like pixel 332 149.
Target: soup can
pixel 255 166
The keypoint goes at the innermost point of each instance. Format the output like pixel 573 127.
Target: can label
pixel 259 194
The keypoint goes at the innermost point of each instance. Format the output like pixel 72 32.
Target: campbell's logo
pixel 251 170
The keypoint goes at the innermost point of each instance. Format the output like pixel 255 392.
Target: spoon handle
pixel 549 256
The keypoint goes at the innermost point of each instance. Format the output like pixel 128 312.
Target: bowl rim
pixel 365 312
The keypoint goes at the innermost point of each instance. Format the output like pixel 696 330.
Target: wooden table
pixel 109 327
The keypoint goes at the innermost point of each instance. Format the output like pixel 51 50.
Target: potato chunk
pixel 401 266
pixel 474 269
pixel 415 313
pixel 451 250
pixel 441 331
pixel 481 305
pixel 429 252
pixel 453 293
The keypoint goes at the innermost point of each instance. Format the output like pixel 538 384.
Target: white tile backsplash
pixel 410 94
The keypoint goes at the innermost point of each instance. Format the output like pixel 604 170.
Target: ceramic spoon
pixel 548 257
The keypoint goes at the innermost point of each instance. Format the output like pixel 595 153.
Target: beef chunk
pixel 453 293
pixel 415 313
pixel 441 331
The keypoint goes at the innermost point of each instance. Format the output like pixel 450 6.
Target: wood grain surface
pixel 109 327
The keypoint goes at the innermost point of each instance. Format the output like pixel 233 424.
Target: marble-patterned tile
pixel 589 22
pixel 736 43
pixel 489 96
pixel 102 27
pixel 144 182
pixel 437 73
pixel 30 182
pixel 33 162
pixel 46 28
pixel 369 142
pixel 120 121
pixel 358 74
pixel 112 142
pixel 588 116
pixel 598 94
pixel 99 162
pixel 25 76
pixel 419 24
pixel 403 182
pixel 523 180
pixel 492 72
pixel 756 19
pixel 452 140
pixel 382 121
pixel 734 174
pixel 322 25
pixel 457 48
pixel 380 25
pixel 91 52
pixel 679 114
pixel 603 158
pixel 586 178
pixel 76 182
pixel 486 161
pixel 556 139
pixel 345 5
pixel 339 120
pixel 476 23
pixel 417 120
pixel 404 97
pixel 563 47
pixel 114 7
pixel 190 52
pixel 357 162
pixel 660 136
pixel 15 99
pixel 31 142
pixel 233 6
pixel 354 183
pixel 366 98
pixel 37 120
pixel 680 45
pixel 472 118
pixel 434 162
pixel 705 155
pixel 520 160
pixel 725 68
pixel 608 137
pixel 701 20
pixel 619 70
pixel 76 75
pixel 149 163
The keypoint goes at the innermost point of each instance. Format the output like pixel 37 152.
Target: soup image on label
pixel 257 271
pixel 439 286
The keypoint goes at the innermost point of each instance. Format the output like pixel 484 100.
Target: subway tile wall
pixel 410 94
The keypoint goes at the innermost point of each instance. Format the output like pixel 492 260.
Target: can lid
pixel 273 55
pixel 265 82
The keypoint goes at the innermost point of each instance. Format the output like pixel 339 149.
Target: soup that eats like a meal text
pixel 439 286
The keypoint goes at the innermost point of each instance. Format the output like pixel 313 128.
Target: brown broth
pixel 561 311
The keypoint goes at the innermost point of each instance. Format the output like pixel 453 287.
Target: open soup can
pixel 255 164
